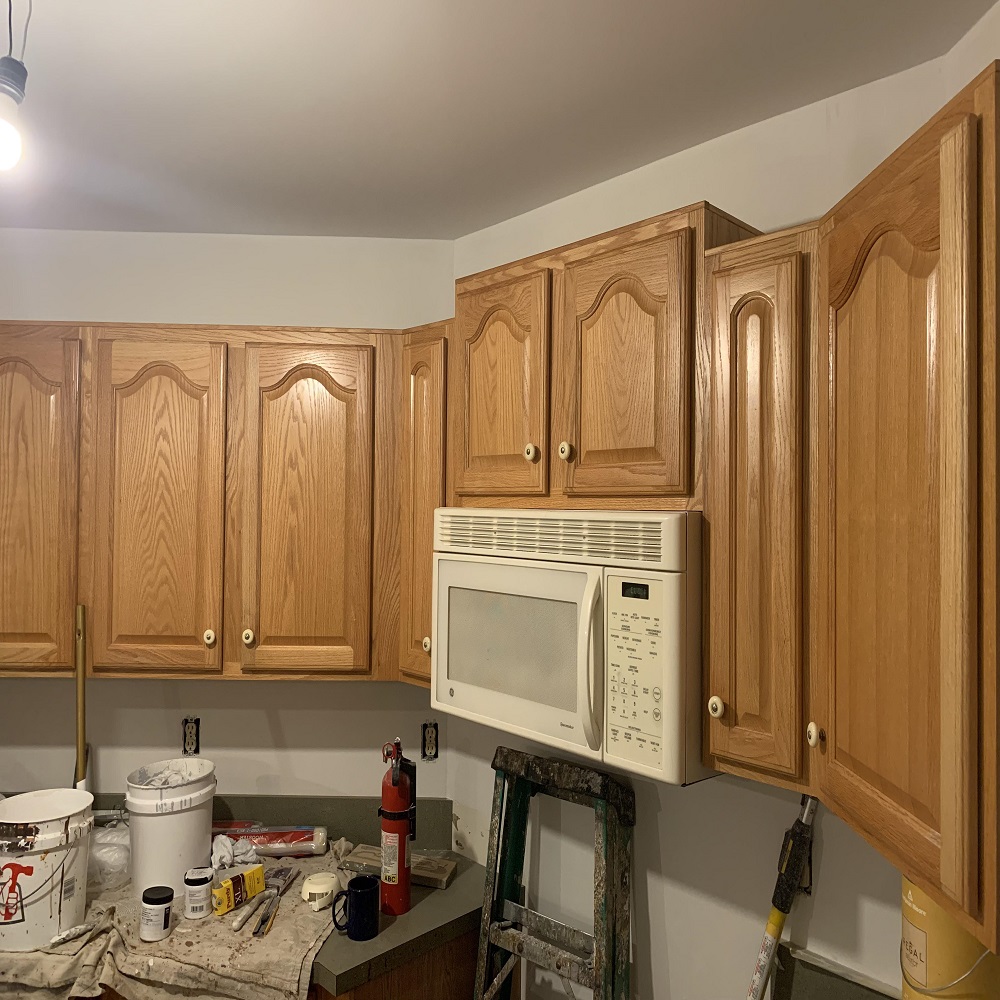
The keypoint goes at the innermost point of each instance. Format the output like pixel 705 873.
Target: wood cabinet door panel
pixel 500 388
pixel 897 509
pixel 626 352
pixel 308 511
pixel 423 471
pixel 39 432
pixel 755 515
pixel 160 464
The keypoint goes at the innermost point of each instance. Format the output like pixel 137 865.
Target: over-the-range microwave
pixel 578 629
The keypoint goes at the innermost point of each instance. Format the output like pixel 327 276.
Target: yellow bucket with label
pixel 941 959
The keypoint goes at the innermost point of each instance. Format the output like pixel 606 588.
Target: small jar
pixel 154 919
pixel 198 892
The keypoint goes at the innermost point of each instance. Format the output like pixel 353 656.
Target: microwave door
pixel 518 645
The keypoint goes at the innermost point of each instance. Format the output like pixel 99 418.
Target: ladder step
pixel 553 931
pixel 543 954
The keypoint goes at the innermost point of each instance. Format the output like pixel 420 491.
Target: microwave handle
pixel 586 661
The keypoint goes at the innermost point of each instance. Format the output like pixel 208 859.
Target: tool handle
pixel 765 957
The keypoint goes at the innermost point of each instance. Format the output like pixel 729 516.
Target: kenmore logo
pixel 567 725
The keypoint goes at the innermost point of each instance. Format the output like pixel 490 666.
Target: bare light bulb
pixel 10 137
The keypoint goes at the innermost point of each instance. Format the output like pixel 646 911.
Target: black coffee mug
pixel 360 908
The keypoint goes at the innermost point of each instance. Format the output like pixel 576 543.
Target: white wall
pixel 265 738
pixel 193 278
pixel 705 856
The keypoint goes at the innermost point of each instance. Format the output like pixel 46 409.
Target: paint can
pixel 44 848
pixel 170 821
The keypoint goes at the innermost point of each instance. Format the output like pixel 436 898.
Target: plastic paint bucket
pixel 170 821
pixel 44 847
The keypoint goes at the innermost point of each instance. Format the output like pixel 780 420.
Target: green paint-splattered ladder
pixel 509 930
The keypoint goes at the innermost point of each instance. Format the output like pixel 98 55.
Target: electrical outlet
pixel 429 741
pixel 191 743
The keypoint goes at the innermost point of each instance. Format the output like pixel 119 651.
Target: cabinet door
pixel 625 350
pixel 500 388
pixel 39 405
pixel 307 531
pixel 422 483
pixel 754 509
pixel 159 453
pixel 897 496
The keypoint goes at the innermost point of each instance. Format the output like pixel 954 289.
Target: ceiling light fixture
pixel 13 77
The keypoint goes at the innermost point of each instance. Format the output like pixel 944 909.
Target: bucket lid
pixel 40 821
pixel 45 805
pixel 171 773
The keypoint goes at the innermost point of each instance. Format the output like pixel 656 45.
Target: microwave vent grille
pixel 595 540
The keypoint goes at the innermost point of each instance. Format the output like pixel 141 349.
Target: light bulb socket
pixel 13 78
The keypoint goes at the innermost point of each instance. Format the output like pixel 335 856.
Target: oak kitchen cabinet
pixel 307 515
pixel 854 463
pixel 227 500
pixel 422 488
pixel 579 376
pixel 39 428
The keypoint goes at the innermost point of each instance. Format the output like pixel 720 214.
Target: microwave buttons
pixel 656 694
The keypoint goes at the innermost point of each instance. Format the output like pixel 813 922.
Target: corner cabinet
pixel 155 448
pixel 39 412
pixel 307 425
pixel 852 509
pixel 500 383
pixel 422 487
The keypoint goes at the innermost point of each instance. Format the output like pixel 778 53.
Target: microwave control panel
pixel 643 700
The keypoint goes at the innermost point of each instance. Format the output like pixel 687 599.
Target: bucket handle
pixel 926 991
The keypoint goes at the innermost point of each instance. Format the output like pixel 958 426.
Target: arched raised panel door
pixel 627 352
pixel 160 474
pixel 897 509
pixel 39 401
pixel 307 515
pixel 754 510
pixel 500 389
pixel 422 486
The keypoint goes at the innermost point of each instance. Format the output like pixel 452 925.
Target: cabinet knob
pixel 814 735
pixel 716 707
pixel 247 637
pixel 426 644
pixel 565 450
pixel 531 452
pixel 209 637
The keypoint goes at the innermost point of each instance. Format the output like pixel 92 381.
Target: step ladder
pixel 510 931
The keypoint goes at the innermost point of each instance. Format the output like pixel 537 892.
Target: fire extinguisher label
pixel 390 858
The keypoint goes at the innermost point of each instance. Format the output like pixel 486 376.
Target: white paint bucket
pixel 44 847
pixel 170 821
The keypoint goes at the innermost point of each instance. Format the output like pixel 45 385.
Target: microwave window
pixel 639 591
pixel 520 646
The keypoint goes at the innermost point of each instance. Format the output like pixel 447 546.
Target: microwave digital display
pixel 639 591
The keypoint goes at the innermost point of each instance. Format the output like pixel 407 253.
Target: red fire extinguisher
pixel 399 827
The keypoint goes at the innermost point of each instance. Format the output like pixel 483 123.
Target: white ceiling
pixel 410 118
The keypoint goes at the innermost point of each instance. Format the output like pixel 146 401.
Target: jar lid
pixel 158 895
pixel 198 876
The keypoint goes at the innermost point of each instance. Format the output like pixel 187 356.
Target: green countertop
pixel 435 918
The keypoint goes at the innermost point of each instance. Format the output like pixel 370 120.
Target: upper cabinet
pixel 898 498
pixel 39 406
pixel 754 503
pixel 422 483
pixel 156 451
pixel 306 527
pixel 624 388
pixel 852 509
pixel 500 386
pixel 621 423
